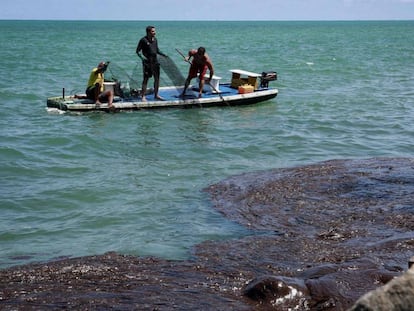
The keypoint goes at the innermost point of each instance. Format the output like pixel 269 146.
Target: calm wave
pixel 76 185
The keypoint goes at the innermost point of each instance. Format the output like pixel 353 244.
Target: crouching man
pixel 95 89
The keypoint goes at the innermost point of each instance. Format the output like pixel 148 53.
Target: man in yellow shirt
pixel 95 89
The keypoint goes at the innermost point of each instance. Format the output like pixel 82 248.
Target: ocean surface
pixel 84 184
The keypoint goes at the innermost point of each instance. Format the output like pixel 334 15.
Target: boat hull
pixel 227 96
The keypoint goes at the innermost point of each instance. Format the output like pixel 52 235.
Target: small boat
pixel 245 88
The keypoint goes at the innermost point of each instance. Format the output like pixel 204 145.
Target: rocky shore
pixel 323 235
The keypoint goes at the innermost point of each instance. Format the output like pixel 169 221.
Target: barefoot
pixel 144 99
pixel 159 97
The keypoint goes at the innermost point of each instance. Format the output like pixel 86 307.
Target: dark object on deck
pixel 267 77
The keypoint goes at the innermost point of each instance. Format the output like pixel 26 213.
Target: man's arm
pixel 139 49
pixel 159 52
pixel 210 68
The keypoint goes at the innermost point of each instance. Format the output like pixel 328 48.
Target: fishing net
pixel 117 74
pixel 129 84
pixel 171 70
pixel 137 76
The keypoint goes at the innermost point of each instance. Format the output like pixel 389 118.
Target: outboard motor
pixel 267 77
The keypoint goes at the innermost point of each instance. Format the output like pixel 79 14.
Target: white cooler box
pixel 215 82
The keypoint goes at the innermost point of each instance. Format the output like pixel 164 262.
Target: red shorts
pixel 194 70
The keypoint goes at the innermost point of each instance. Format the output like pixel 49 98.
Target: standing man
pixel 148 45
pixel 95 88
pixel 201 62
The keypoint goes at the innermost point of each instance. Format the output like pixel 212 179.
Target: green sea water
pixel 73 185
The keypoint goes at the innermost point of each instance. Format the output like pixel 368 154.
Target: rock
pixel 397 295
pixel 277 291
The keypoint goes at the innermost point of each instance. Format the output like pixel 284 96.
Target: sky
pixel 159 10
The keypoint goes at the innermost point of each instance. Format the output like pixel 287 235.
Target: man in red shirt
pixel 199 65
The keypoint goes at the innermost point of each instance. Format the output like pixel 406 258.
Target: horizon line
pixel 205 20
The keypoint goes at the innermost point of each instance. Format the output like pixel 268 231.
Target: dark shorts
pixel 90 92
pixel 151 68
